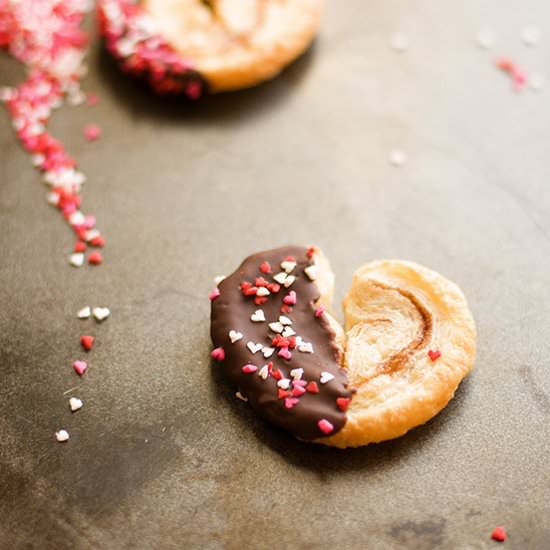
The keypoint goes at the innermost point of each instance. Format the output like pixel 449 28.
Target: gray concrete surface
pixel 162 456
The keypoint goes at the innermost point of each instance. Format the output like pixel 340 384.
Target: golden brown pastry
pixel 409 339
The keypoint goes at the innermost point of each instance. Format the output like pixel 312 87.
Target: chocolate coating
pixel 232 311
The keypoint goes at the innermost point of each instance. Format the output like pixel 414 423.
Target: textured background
pixel 162 455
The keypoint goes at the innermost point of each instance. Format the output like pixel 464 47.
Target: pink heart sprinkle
pixel 301 383
pixel 285 354
pixel 80 367
pixel 249 369
pixel 297 391
pixel 92 132
pixel 218 354
pixel 325 426
pixel 214 294
pixel 319 311
pixel 290 298
pixel 290 402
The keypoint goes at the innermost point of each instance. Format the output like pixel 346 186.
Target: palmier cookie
pixel 231 44
pixel 409 339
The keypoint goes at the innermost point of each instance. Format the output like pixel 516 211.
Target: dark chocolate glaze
pixel 232 311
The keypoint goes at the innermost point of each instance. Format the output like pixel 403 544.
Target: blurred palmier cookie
pixel 408 341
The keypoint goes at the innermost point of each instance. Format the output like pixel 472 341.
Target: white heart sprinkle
pixel 77 218
pixel 62 435
pixel 91 234
pixel 268 352
pixel 297 373
pixel 283 383
pixel 326 377
pixel 284 320
pixel 262 291
pixel 53 198
pixel 288 266
pixel 101 313
pixel 264 372
pixel 219 279
pixel 254 347
pixel 276 327
pixel 299 340
pixel 288 331
pixel 258 316
pixel 305 347
pixel 84 313
pixel 76 259
pixel 289 280
pixel 311 272
pixel 280 277
pixel 235 336
pixel 240 396
pixel 75 404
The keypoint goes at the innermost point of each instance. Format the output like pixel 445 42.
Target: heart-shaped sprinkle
pixel 305 347
pixel 249 369
pixel 87 342
pixel 289 281
pixel 311 271
pixel 240 396
pixel 276 327
pixel 219 279
pixel 235 336
pixel 291 402
pixel 297 373
pixel 312 387
pixel 499 534
pixel 80 246
pixel 265 267
pixel 325 426
pixel 326 377
pixel 434 355
pixel 267 352
pixel 98 241
pixel 262 291
pixel 218 354
pixel 101 313
pixel 284 320
pixel 258 316
pixel 277 374
pixel 75 403
pixel 80 367
pixel 288 332
pixel 264 372
pixel 290 298
pixel 343 403
pixel 62 435
pixel 288 266
pixel 284 383
pixel 280 277
pixel 297 391
pixel 214 293
pixel 76 259
pixel 320 310
pixel 84 313
pixel 302 383
pixel 281 394
pixel 285 354
pixel 95 258
pixel 254 347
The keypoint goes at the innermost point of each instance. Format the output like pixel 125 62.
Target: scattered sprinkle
pixel 312 387
pixel 76 259
pixel 80 367
pixel 101 313
pixel 240 396
pixel 397 157
pixel 531 35
pixel 264 372
pixel 285 354
pixel 219 279
pixel 84 313
pixel 297 373
pixel 263 291
pixel 249 369
pixel 258 316
pixel 289 281
pixel 284 320
pixel 80 246
pixel 276 326
pixel 280 277
pixel 95 258
pixel 486 39
pixel 265 267
pixel 62 436
pixel 215 293
pixel 306 347
pixel 288 266
pixel 75 404
pixel 311 271
pixel 92 132
pixel 87 342
pixel 92 99
pixel 291 402
pixel 434 355
pixel 343 403
pixel 319 311
pixel 290 298
pixel 254 348
pixel 326 377
pixel 499 534
pixel 267 352
pixel 284 383
pixel 235 336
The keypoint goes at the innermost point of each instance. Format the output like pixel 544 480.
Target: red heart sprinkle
pixel 87 342
pixel 281 394
pixel 312 387
pixel 310 251
pixel 297 391
pixel 343 403
pixel 277 374
pixel 286 309
pixel 218 354
pixel 95 258
pixel 434 355
pixel 499 534
pixel 80 246
pixel 265 267
pixel 274 287
pixel 259 300
pixel 98 241
pixel 245 285
pixel 250 291
pixel 260 281
pixel 290 259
